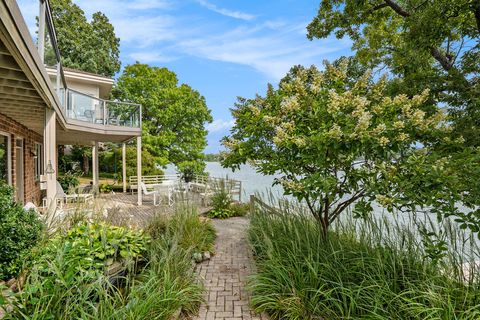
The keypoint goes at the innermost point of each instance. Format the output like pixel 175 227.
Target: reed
pixel 383 267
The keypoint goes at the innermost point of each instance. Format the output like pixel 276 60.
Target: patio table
pixel 169 187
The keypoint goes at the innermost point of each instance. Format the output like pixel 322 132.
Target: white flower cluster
pixel 383 200
pixel 335 132
pixel 402 137
pixel 291 185
pixel 290 104
pixel 254 109
pixel 230 143
pixel 364 120
pixel 383 141
pixel 280 136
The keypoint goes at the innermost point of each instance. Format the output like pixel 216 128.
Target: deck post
pixel 95 171
pixel 124 166
pixel 50 157
pixel 41 30
pixel 139 170
pixel 252 204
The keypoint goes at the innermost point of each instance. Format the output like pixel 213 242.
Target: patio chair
pixel 62 198
pixel 148 193
pixel 206 195
pixel 88 115
pixel 73 197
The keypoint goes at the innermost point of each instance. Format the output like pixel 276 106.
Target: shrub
pixel 69 271
pixel 19 231
pixel 165 285
pixel 222 203
pixel 373 269
pixel 240 209
pixel 69 181
pixel 232 210
pixel 220 213
pixel 191 232
pixel 105 188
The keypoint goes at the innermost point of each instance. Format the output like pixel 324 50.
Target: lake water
pixel 257 183
pixel 252 181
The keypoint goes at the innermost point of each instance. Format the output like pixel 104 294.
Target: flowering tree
pixel 333 141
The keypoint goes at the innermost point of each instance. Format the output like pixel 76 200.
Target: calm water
pixel 256 183
pixel 252 181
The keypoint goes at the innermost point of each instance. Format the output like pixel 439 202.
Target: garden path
pixel 225 274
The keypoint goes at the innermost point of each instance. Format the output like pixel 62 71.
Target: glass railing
pixel 83 107
pixel 77 105
pixel 51 57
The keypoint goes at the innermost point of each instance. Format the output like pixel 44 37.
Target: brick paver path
pixel 225 274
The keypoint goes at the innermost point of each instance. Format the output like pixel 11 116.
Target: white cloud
pixel 271 53
pixel 116 8
pixel 148 57
pixel 160 31
pixel 226 12
pixel 220 125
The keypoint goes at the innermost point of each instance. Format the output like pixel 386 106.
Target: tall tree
pixel 174 116
pixel 88 46
pixel 431 44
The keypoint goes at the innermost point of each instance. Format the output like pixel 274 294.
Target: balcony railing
pixel 82 107
pixel 77 105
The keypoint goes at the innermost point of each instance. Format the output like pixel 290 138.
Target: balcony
pixel 80 107
pixel 88 109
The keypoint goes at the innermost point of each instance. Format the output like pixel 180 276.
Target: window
pixel 38 159
pixel 5 175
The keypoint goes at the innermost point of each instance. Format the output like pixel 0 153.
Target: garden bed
pixel 98 271
pixel 365 269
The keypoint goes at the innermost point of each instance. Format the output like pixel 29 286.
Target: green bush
pixel 19 231
pixel 105 188
pixel 240 209
pixel 71 269
pixel 372 269
pixel 90 247
pixel 55 290
pixel 69 181
pixel 191 232
pixel 220 213
pixel 221 203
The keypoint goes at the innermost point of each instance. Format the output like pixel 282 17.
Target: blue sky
pixel 223 49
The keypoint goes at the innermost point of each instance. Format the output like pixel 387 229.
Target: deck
pixel 122 208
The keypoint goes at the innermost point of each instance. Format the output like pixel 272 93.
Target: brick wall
pixel 16 130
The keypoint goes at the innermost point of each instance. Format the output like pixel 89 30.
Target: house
pixel 42 107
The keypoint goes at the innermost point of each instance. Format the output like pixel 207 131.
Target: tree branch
pixel 444 61
pixel 339 209
pixel 392 4
pixel 377 7
pixel 476 12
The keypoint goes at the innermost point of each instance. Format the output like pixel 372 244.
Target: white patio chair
pixel 148 193
pixel 73 197
pixel 62 198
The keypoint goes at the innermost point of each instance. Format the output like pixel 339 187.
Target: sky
pixel 223 49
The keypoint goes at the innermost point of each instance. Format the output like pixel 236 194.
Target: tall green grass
pixel 185 225
pixel 378 268
pixel 157 290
